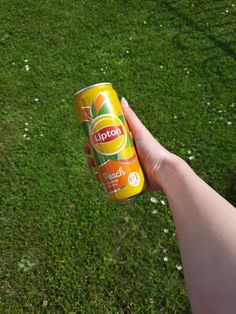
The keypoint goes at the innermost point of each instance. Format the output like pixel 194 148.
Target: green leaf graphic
pixel 93 111
pixel 85 126
pixel 122 118
pixel 113 157
pixel 129 142
pixel 105 109
pixel 100 159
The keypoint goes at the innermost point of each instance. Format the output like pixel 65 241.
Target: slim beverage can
pixel 110 141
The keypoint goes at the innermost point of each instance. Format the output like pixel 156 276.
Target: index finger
pixel 87 150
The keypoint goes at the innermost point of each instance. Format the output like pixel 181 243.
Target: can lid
pixel 94 85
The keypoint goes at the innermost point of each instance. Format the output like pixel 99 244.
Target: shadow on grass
pixel 230 192
pixel 224 46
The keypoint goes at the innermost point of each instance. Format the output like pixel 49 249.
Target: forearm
pixel 206 230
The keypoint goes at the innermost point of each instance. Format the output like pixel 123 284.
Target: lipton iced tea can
pixel 110 141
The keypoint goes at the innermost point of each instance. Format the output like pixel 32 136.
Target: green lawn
pixel 63 248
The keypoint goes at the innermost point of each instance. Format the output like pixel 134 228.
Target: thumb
pixel 136 126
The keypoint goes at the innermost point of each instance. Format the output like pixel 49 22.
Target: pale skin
pixel 205 222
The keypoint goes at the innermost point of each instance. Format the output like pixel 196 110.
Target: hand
pixel 152 155
pixel 90 161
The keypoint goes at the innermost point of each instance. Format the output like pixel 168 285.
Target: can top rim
pixel 94 85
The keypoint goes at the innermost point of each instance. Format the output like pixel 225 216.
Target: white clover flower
pixel 189 151
pixel 26 130
pixel 175 117
pixel 164 250
pixel 27 67
pixel 153 200
pixel 229 122
pixel 165 259
pixel 41 134
pixel 36 99
pixel 26 123
pixel 163 202
pixel 166 230
pixel 179 267
pixel 154 212
pixel 161 66
pixel 144 22
pixel 126 219
pixel 24 135
pixel 191 157
pixel 26 60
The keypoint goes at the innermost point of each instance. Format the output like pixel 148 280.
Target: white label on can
pixel 134 179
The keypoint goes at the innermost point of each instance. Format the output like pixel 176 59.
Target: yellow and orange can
pixel 110 141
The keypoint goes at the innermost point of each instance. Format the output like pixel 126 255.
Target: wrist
pixel 171 170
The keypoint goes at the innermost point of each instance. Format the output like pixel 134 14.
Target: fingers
pixel 87 150
pixel 139 131
pixel 90 162
pixel 97 177
pixel 133 121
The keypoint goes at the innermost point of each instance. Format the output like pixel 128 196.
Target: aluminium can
pixel 110 141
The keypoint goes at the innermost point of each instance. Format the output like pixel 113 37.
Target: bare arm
pixel 205 224
pixel 206 229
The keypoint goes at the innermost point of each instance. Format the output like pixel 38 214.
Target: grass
pixel 64 249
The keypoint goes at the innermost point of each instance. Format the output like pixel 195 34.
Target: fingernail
pixel 124 102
